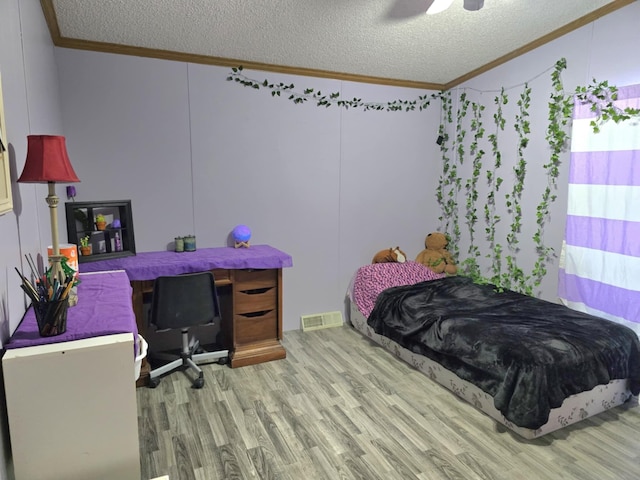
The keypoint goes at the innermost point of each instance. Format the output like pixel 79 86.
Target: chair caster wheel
pixel 223 361
pixel 153 382
pixel 198 383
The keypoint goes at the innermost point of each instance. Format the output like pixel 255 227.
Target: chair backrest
pixel 184 300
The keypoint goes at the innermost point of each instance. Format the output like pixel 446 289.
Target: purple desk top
pixel 151 265
pixel 104 308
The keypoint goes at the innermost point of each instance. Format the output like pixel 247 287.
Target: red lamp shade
pixel 47 161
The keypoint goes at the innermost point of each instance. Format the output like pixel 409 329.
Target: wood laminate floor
pixel 340 407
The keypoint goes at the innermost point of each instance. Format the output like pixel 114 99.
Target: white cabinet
pixel 72 410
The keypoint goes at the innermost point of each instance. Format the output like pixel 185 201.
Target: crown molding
pixel 79 44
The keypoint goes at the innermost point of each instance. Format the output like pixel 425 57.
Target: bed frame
pixel 574 409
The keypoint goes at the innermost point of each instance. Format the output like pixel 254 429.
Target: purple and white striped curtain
pixel 600 262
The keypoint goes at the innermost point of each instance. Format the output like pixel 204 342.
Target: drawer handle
pixel 255 314
pixel 256 291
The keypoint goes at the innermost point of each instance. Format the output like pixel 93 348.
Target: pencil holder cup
pixel 51 317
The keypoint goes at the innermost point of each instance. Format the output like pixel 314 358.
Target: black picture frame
pixel 114 241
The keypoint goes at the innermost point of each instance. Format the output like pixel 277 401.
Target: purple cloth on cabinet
pixel 104 308
pixel 151 265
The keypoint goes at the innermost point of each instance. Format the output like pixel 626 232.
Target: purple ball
pixel 241 233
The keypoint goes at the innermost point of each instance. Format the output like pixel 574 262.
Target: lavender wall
pixel 600 50
pixel 198 154
pixel 31 106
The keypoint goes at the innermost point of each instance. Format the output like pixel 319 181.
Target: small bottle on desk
pixel 179 244
pixel 190 243
pixel 118 242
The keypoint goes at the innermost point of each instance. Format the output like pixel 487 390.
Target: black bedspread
pixel 529 354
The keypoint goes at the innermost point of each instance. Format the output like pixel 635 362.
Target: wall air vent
pixel 319 321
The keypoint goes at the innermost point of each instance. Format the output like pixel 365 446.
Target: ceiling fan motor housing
pixel 473 4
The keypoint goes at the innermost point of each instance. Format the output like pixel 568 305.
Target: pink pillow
pixel 372 279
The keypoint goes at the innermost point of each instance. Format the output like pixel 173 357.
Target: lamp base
pixel 56 271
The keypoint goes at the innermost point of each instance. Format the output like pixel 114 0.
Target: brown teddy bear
pixel 435 256
pixel 389 255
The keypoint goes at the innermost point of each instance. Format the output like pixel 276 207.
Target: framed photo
pixel 6 200
pixel 113 240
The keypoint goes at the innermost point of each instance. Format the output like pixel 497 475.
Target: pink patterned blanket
pixel 372 279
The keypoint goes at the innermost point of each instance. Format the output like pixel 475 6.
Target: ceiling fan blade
pixel 473 4
pixel 403 9
pixel 438 6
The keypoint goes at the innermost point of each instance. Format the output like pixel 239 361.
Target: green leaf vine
pixel 454 179
pixel 444 195
pixel 470 265
pixel 514 274
pixel 494 182
pixel 328 100
pixel 602 96
pixel 560 108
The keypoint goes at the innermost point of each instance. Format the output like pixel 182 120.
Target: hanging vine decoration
pixel 601 96
pixel 519 281
pixel 454 179
pixel 494 182
pixel 327 100
pixel 560 108
pixel 470 265
pixel 444 185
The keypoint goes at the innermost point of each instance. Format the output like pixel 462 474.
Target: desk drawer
pixel 256 300
pixel 252 279
pixel 256 327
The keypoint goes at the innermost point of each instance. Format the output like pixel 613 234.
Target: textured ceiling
pixel 374 40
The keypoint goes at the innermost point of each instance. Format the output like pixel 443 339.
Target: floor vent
pixel 319 321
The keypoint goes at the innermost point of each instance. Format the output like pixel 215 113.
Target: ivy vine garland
pixel 494 182
pixel 455 180
pixel 444 194
pixel 515 275
pixel 327 100
pixel 470 265
pixel 600 95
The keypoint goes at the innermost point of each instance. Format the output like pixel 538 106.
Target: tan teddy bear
pixel 435 255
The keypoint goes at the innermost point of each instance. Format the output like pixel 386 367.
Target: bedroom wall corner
pixel 597 50
pixel 31 105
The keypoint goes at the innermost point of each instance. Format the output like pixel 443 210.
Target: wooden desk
pixel 249 282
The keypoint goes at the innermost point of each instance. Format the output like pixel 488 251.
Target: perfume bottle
pixel 118 242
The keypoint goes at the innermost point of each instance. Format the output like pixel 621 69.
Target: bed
pixel 534 366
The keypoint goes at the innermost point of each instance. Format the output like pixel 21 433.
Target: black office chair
pixel 180 302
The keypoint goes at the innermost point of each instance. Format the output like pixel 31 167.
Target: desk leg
pixel 138 308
